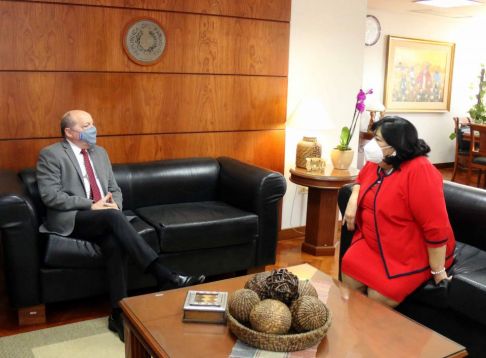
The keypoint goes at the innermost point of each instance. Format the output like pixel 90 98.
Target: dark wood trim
pixel 32 315
pixel 289 234
pixel 444 165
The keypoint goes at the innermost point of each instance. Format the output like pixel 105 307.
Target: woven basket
pixel 278 342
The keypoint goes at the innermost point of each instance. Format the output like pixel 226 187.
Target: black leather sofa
pixel 456 308
pixel 201 215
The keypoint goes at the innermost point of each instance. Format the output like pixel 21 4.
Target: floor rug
pixel 88 339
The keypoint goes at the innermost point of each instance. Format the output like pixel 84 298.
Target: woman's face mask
pixel 88 136
pixel 374 153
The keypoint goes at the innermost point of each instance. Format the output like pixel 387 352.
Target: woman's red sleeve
pixel 427 203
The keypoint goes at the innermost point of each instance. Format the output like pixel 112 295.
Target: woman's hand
pixel 437 262
pixel 441 276
pixel 350 214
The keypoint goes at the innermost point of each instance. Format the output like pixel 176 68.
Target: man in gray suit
pixel 83 200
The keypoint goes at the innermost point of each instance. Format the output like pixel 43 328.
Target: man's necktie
pixel 95 191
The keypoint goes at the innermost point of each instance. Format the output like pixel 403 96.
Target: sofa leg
pixel 255 270
pixel 32 315
pixel 250 271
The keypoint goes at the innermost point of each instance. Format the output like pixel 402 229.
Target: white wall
pixel 434 128
pixel 325 61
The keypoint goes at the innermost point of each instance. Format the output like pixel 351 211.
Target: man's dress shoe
pixel 116 325
pixel 178 280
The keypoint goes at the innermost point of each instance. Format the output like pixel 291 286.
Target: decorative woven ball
pixel 258 284
pixel 308 313
pixel 306 289
pixel 241 303
pixel 283 286
pixel 271 316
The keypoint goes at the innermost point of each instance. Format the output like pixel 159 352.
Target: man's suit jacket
pixel 61 185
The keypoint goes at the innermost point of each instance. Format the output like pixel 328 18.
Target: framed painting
pixel 418 75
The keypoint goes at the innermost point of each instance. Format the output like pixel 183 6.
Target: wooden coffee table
pixel 360 327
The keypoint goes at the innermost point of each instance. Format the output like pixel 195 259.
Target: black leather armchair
pixel 456 308
pixel 200 215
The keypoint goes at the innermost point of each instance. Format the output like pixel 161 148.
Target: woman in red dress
pixel 403 236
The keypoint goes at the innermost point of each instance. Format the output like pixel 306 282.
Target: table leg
pixel 133 347
pixel 321 224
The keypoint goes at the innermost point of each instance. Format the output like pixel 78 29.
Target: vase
pixel 308 147
pixel 341 159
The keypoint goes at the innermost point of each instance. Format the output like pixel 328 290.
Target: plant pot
pixel 341 159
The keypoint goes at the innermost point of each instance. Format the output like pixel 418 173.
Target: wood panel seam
pixel 143 9
pixel 147 73
pixel 150 134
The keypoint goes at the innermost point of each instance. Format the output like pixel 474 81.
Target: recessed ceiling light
pixel 448 3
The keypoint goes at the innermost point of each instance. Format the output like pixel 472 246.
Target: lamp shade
pixel 310 115
pixel 375 106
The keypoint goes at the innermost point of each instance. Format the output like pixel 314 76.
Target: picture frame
pixel 418 75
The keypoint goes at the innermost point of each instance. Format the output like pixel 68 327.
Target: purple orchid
pixel 347 133
pixel 362 95
pixel 360 106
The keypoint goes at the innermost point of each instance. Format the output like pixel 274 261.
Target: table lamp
pixel 309 115
pixel 374 107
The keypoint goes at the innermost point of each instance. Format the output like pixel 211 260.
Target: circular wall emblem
pixel 144 41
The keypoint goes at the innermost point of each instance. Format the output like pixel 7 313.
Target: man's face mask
pixel 88 136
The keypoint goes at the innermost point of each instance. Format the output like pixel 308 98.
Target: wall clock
pixel 373 30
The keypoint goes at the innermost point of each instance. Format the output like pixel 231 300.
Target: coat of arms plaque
pixel 144 41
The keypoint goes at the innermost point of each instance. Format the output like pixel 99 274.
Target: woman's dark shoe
pixel 177 280
pixel 116 325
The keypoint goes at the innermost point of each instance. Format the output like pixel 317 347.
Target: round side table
pixel 322 209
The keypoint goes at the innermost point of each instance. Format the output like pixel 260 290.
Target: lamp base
pixel 308 147
pixel 372 120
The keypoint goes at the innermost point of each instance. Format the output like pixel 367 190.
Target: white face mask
pixel 373 152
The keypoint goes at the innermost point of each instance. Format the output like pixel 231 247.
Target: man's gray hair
pixel 67 121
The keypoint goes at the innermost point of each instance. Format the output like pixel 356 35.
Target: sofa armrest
pixel 259 191
pixel 20 241
pixel 466 207
pixel 346 235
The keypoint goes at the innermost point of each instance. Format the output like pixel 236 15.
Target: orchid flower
pixel 347 133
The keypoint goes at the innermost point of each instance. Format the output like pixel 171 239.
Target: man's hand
pixel 106 202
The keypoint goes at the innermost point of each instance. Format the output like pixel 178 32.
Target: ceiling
pixel 407 6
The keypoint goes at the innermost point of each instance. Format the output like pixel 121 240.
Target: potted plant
pixel 342 155
pixel 477 111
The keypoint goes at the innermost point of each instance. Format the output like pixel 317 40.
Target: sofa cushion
pixel 466 271
pixel 202 225
pixel 67 252
pixel 467 291
pixel 172 181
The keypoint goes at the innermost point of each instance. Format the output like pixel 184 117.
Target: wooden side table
pixel 322 209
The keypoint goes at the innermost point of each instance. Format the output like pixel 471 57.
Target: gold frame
pixel 408 86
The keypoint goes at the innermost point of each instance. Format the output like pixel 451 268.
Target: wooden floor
pixel 289 253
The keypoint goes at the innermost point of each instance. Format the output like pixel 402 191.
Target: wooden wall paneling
pixel 278 10
pixel 56 37
pixel 261 148
pixel 135 103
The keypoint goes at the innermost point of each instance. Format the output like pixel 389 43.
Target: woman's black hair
pixel 403 137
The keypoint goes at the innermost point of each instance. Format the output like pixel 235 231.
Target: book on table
pixel 205 307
